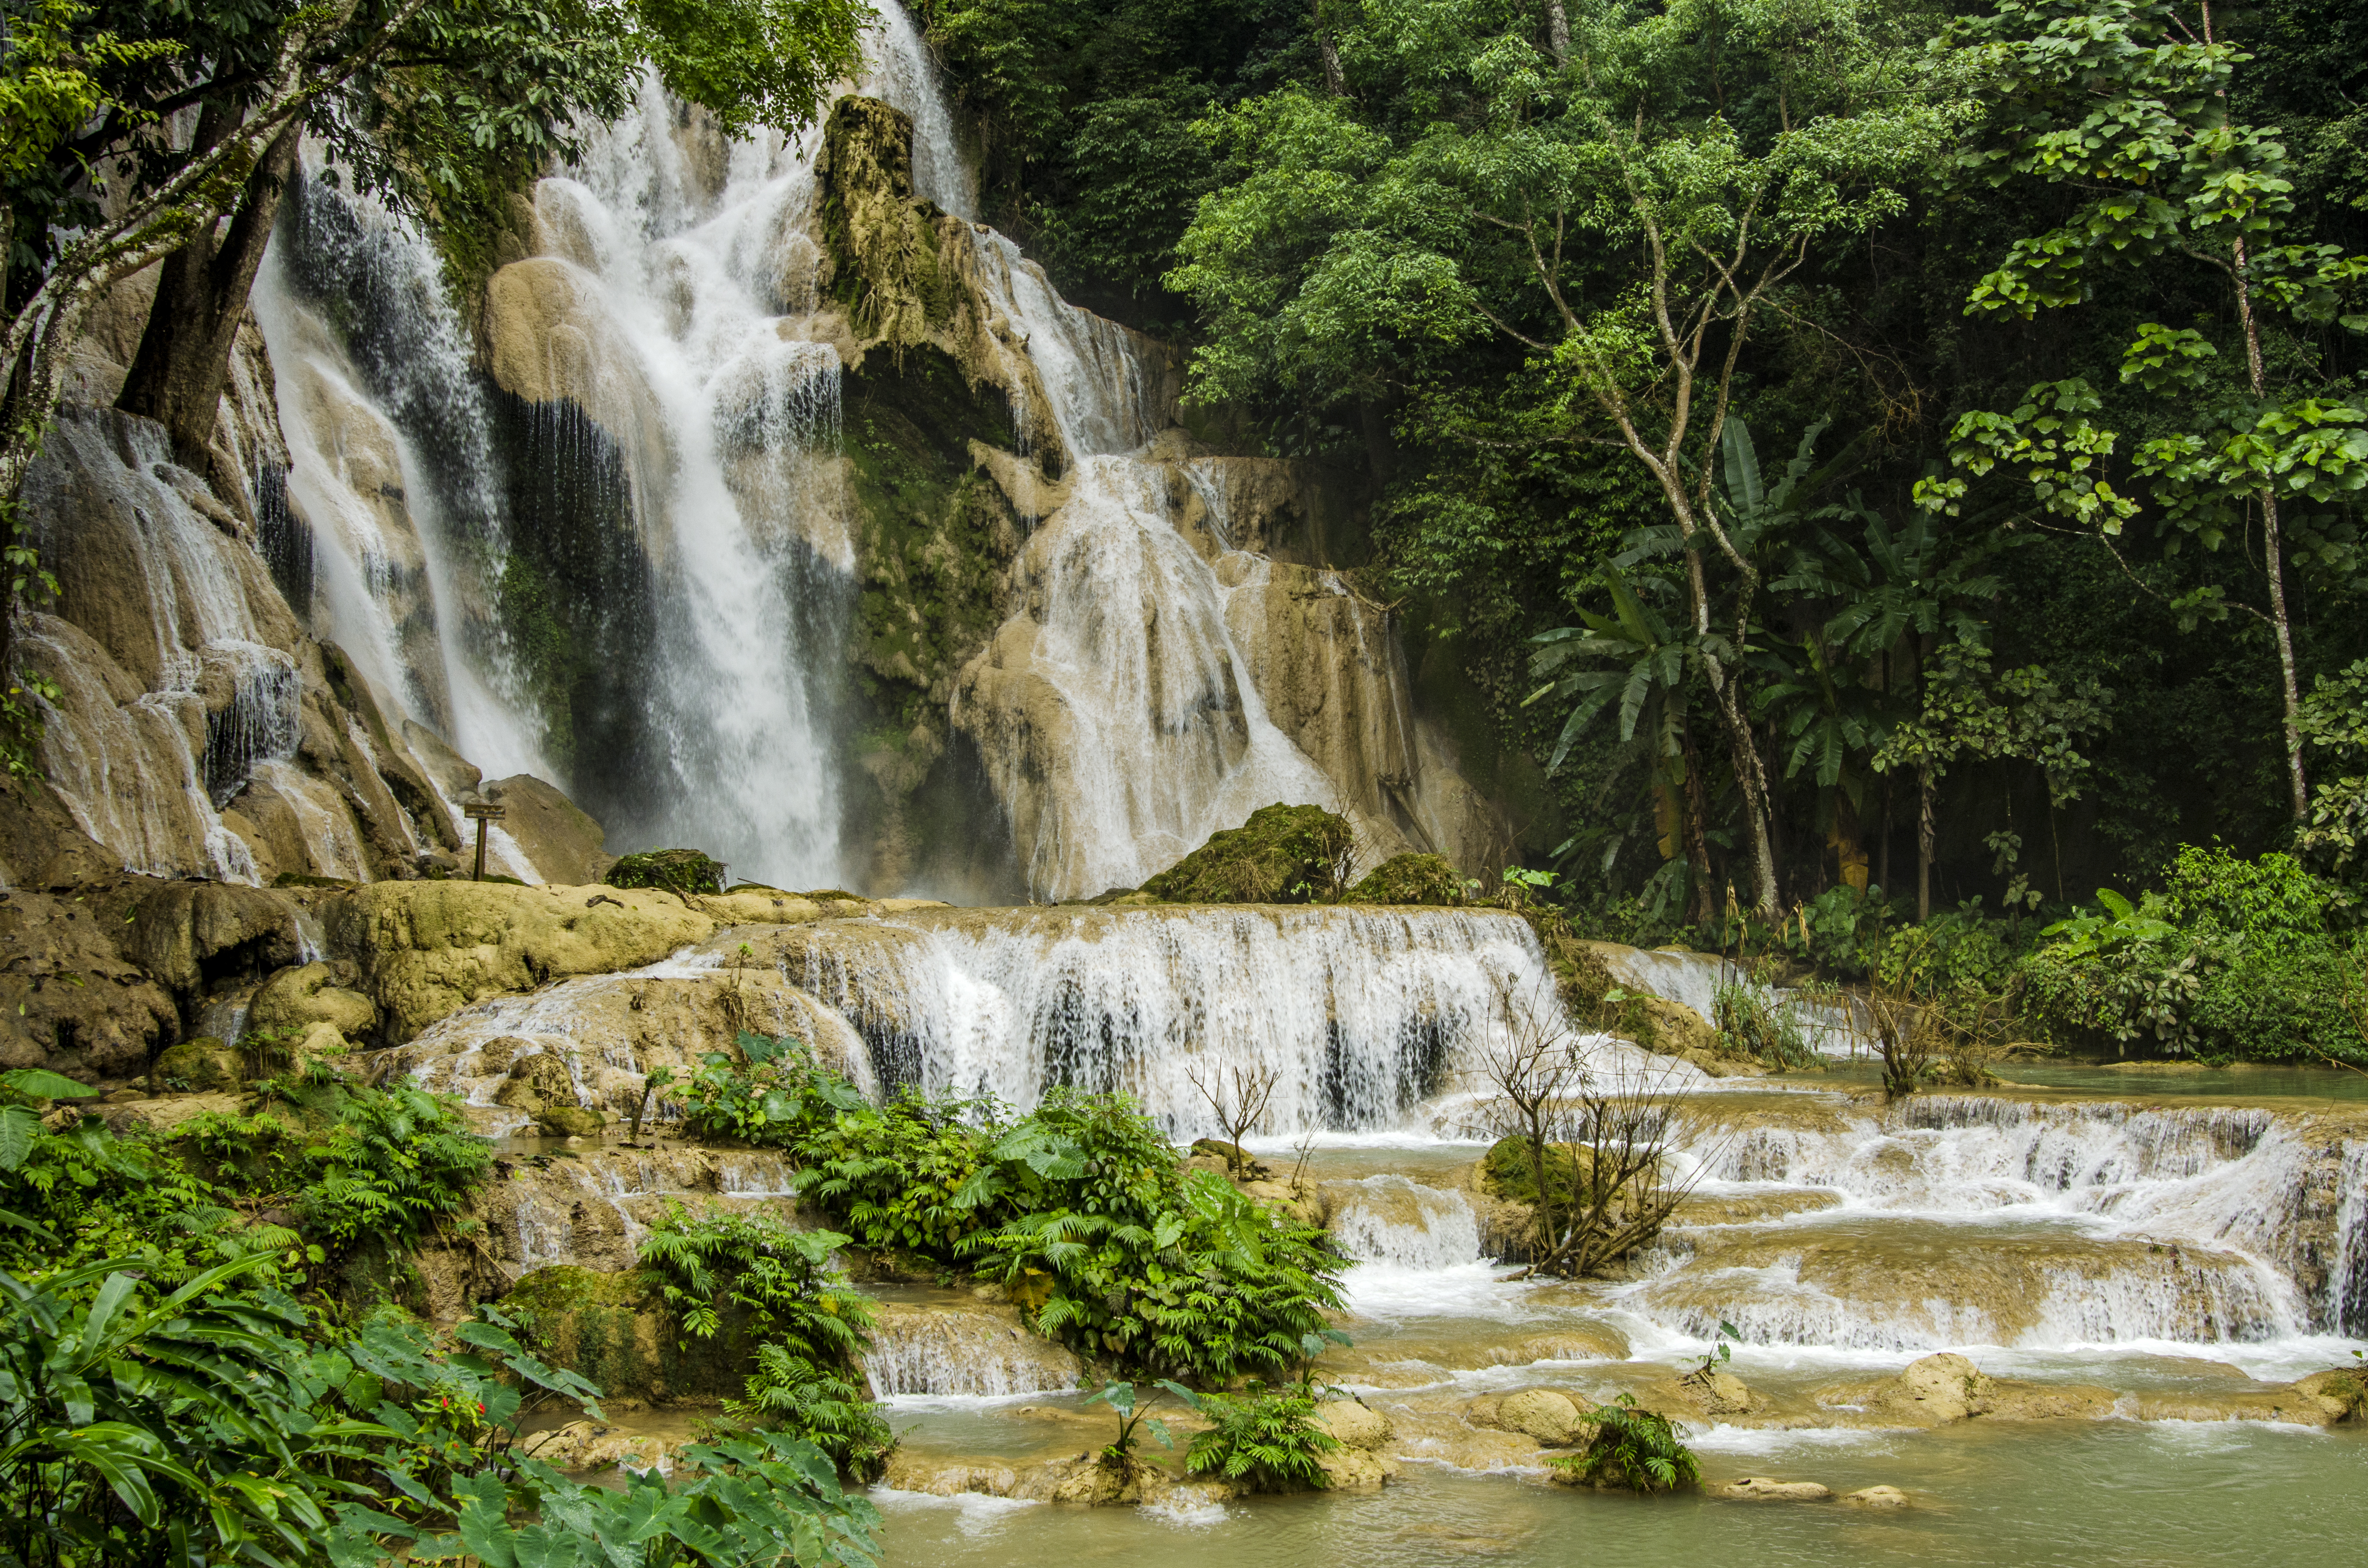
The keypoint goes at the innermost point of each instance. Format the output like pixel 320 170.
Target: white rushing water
pixel 1364 1015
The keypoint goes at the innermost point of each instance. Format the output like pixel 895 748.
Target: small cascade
pixel 215 694
pixel 1365 1014
pixel 2074 1223
pixel 1391 1220
pixel 952 1353
pixel 2348 1281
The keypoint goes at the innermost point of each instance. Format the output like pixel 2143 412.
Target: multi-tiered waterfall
pixel 643 449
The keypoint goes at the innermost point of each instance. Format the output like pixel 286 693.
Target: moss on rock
pixel 1409 879
pixel 615 1330
pixel 671 870
pixel 1283 854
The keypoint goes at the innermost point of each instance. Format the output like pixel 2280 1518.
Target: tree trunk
pixel 1336 81
pixel 1925 835
pixel 1558 33
pixel 184 360
pixel 2274 563
pixel 1706 908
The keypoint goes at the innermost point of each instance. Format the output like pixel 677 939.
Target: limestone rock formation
pixel 425 949
pixel 559 836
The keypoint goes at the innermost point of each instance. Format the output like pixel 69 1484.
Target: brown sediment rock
pixel 1761 1488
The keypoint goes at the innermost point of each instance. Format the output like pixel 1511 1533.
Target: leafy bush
pixel 1634 1449
pixel 361 1168
pixel 810 1328
pixel 1268 1437
pixel 1750 1020
pixel 2233 959
pixel 1080 1206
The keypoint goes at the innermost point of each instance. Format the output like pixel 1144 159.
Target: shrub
pixel 361 1168
pixel 809 1326
pixel 1637 1450
pixel 1080 1206
pixel 1267 1439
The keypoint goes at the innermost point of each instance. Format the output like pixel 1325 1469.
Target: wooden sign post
pixel 482 810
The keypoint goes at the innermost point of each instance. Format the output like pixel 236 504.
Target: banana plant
pixel 1633 660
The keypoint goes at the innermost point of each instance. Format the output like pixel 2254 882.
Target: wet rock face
pixel 69 999
pixel 592 1042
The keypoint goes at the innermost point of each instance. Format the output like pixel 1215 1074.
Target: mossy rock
pixel 616 1331
pixel 1409 879
pixel 669 870
pixel 569 1121
pixel 1283 854
pixel 204 1064
pixel 1505 1169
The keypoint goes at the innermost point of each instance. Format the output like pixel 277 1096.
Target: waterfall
pixel 1364 1014
pixel 677 260
pixel 2077 1223
pixel 1153 736
pixel 392 469
pixel 959 1354
pixel 1391 1220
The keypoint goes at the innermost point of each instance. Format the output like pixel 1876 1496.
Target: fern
pixel 1269 1440
pixel 810 1329
pixel 1638 1451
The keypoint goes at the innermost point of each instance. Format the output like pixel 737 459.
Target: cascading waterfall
pixel 1163 738
pixel 727 419
pixel 1363 1014
pixel 1137 731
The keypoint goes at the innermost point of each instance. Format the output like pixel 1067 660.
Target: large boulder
pixel 1283 854
pixel 425 950
pixel 69 1001
pixel 1542 1414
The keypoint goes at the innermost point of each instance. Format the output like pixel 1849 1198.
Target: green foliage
pixel 1080 1206
pixel 361 1169
pixel 1133 1413
pixel 2233 959
pixel 1266 1437
pixel 1282 855
pixel 754 61
pixel 1408 878
pixel 1632 1449
pixel 1751 1020
pixel 2333 720
pixel 810 1329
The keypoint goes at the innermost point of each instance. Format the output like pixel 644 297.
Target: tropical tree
pixel 1896 595
pixel 1634 658
pixel 2127 102
pixel 1712 147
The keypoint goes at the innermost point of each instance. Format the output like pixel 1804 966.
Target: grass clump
pixel 682 871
